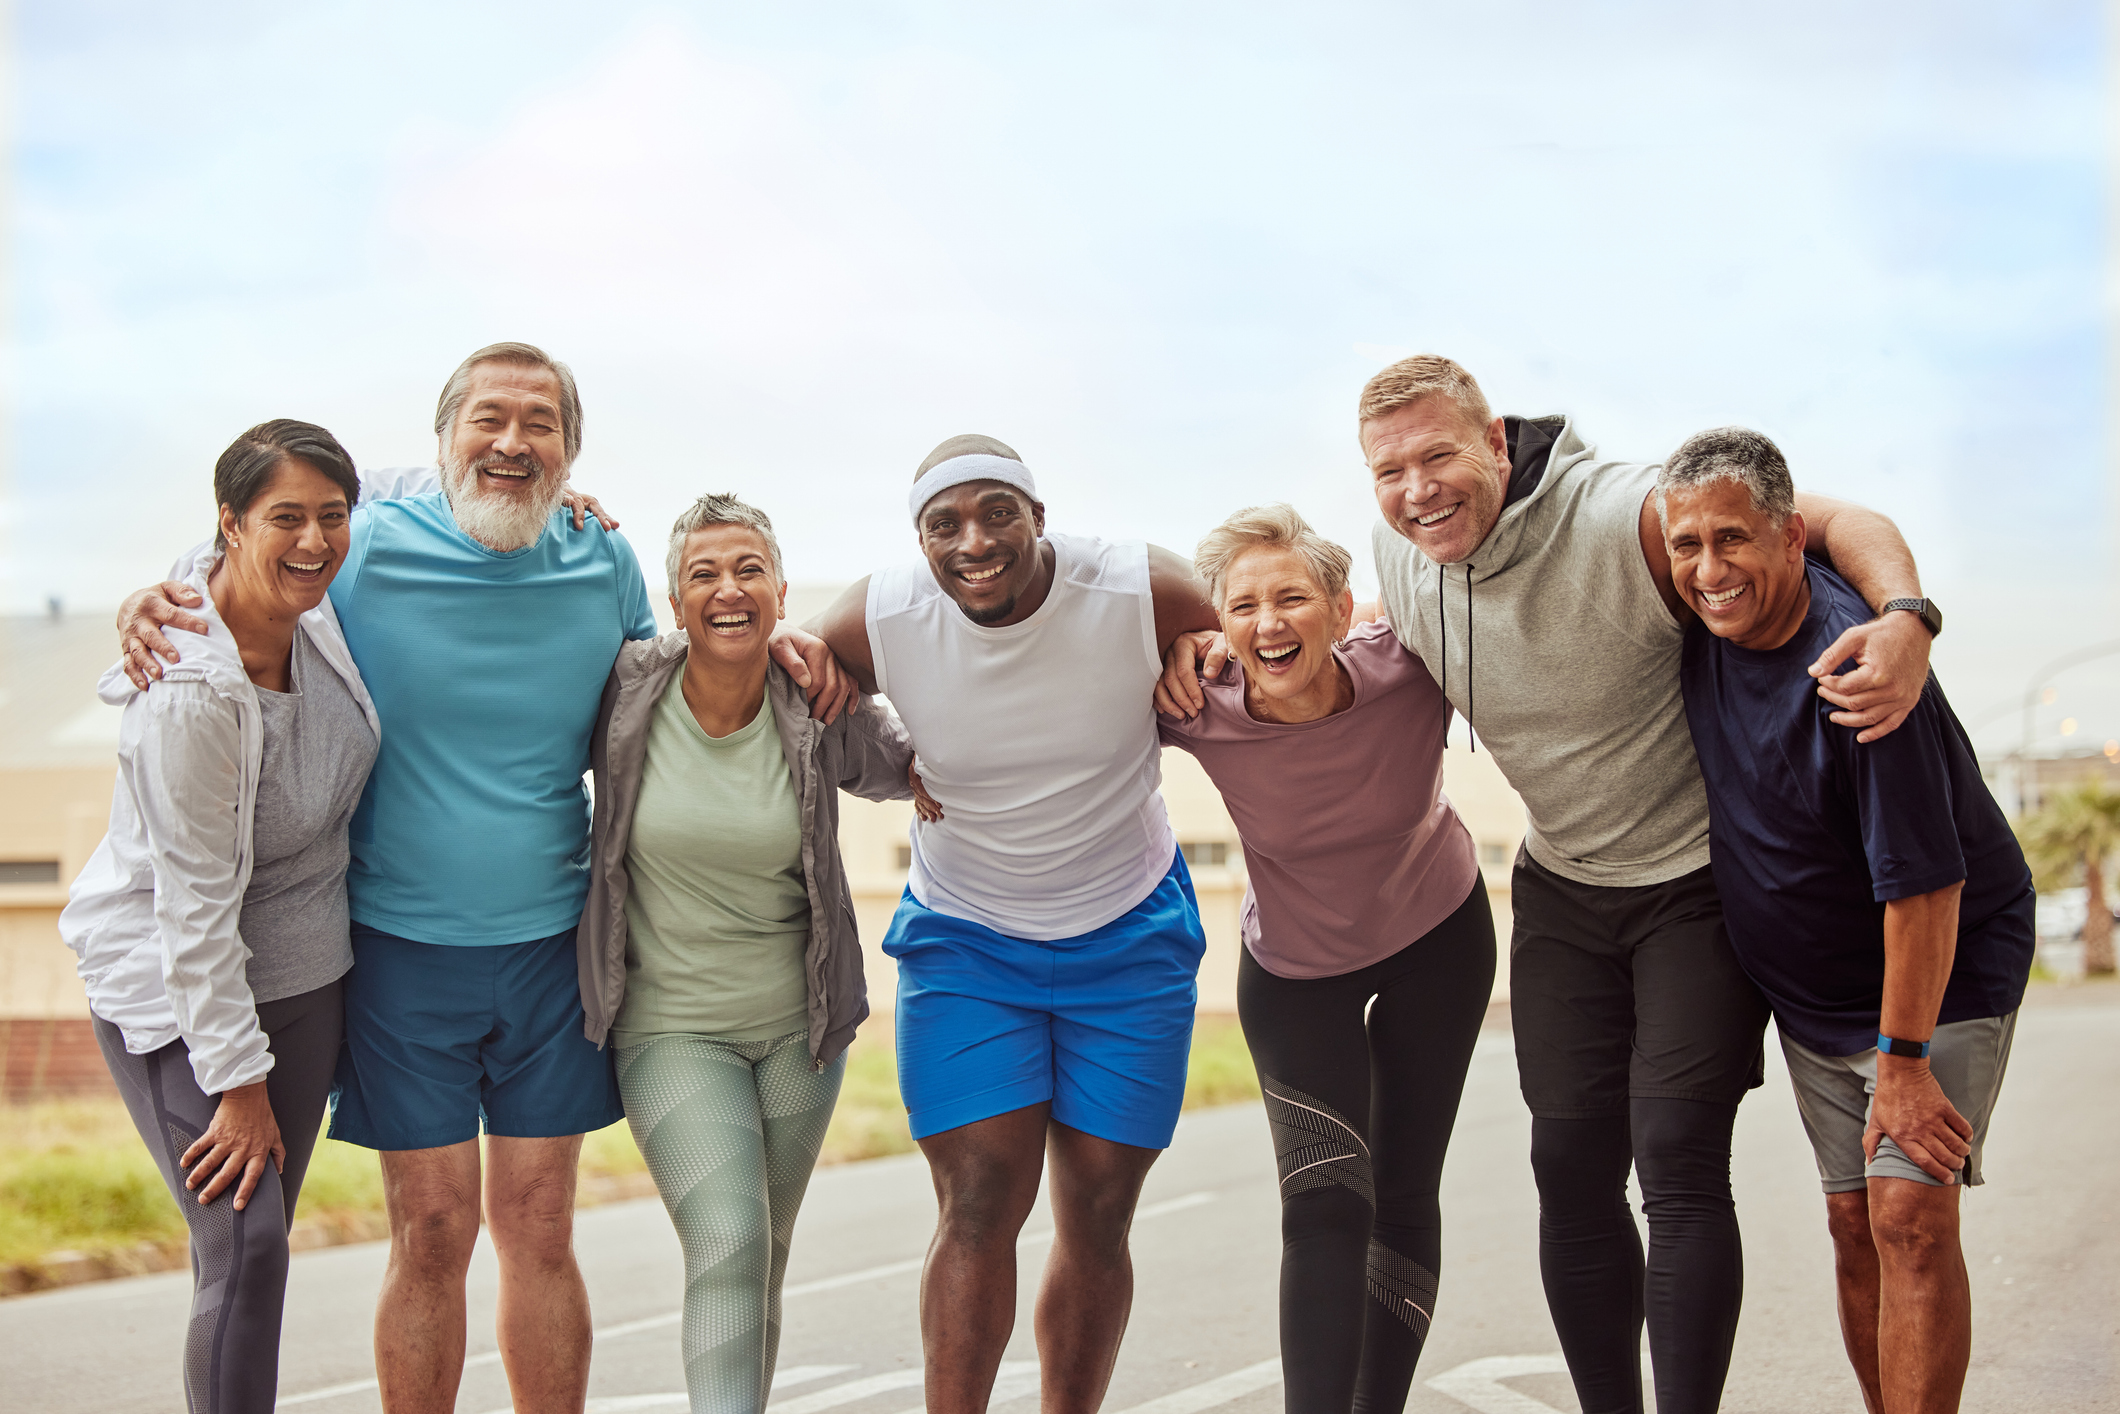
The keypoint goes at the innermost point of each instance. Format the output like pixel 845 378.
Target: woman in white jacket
pixel 211 922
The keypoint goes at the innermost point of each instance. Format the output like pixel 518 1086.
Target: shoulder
pixel 896 589
pixel 1122 566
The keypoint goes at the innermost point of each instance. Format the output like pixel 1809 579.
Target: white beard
pixel 497 520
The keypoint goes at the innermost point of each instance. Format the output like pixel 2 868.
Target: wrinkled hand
pixel 584 505
pixel 1912 1108
pixel 809 661
pixel 924 805
pixel 1892 666
pixel 1190 657
pixel 236 1146
pixel 140 621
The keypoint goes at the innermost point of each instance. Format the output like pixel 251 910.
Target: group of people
pixel 351 861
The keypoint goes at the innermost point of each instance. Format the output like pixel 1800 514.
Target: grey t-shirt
pixel 318 748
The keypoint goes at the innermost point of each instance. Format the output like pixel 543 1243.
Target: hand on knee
pixel 1914 1225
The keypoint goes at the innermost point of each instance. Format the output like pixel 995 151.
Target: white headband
pixel 977 466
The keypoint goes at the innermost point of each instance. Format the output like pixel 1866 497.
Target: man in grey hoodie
pixel 1530 576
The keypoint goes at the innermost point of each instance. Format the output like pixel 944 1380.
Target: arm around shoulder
pixel 844 627
pixel 877 753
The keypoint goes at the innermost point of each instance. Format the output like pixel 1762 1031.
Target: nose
pixel 311 540
pixel 511 442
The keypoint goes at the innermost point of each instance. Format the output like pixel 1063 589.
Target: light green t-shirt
pixel 718 913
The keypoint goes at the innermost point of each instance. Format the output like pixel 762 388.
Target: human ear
pixel 1795 535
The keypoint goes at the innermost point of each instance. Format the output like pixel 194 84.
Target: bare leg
pixel 1925 1305
pixel 986 1178
pixel 1855 1274
pixel 431 1197
pixel 1088 1289
pixel 543 1320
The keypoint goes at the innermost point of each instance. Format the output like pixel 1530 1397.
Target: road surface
pixel 2043 1240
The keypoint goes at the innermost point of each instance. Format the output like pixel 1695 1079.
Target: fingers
pixel 1847 646
pixel 581 510
pixel 603 517
pixel 790 657
pixel 200 1146
pixel 1884 728
pixel 252 1172
pixel 842 698
pixel 1164 702
pixel 220 1168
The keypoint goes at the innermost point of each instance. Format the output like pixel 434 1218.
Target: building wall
pixel 53 817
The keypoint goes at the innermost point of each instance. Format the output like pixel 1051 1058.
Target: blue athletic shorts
pixel 441 1037
pixel 1099 1024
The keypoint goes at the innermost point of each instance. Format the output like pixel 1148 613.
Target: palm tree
pixel 2070 839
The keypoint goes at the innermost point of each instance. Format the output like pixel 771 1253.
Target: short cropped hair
pixel 1732 454
pixel 246 468
pixel 1279 525
pixel 1424 376
pixel 966 444
pixel 723 508
pixel 530 355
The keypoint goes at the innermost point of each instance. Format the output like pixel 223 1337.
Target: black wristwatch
pixel 1924 609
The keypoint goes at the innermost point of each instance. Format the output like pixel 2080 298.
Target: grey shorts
pixel 1834 1094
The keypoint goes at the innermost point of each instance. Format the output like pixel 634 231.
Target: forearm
pixel 1863 547
pixel 1920 942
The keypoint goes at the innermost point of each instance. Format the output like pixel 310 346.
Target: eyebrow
pixel 336 501
pixel 537 406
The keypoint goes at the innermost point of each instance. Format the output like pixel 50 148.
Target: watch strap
pixel 1897 1046
pixel 1924 609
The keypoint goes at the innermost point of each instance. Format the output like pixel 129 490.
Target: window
pixel 29 871
pixel 1198 852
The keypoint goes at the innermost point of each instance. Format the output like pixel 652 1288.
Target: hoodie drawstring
pixel 1442 623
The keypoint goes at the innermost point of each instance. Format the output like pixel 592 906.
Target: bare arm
pixel 1920 941
pixel 844 628
pixel 1181 599
pixel 1891 653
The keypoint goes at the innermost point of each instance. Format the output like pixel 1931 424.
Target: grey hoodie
pixel 1554 642
pixel 865 751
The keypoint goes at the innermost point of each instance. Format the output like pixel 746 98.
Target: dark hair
pixel 246 468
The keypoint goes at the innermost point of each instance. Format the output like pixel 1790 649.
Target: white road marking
pixel 1477 1383
pixel 631 1403
pixel 1216 1392
pixel 671 1318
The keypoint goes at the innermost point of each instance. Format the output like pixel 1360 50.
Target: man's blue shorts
pixel 1099 1024
pixel 440 1037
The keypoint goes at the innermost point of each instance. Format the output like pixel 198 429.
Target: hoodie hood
pixel 1542 451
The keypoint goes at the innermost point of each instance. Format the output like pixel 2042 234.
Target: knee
pixel 533 1222
pixel 1580 1162
pixel 1682 1149
pixel 433 1225
pixel 983 1201
pixel 1848 1221
pixel 1914 1232
pixel 1326 1213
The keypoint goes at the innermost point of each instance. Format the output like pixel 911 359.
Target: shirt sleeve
pixel 188 777
pixel 1902 794
pixel 634 613
pixel 398 483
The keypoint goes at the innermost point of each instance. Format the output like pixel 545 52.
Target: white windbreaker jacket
pixel 154 915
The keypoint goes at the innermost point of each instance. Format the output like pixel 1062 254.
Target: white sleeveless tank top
pixel 1037 739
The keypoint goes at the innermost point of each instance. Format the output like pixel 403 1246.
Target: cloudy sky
pixel 1157 247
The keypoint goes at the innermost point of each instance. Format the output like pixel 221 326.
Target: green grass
pixel 74 1175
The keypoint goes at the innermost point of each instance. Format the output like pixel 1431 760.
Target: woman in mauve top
pixel 1368 946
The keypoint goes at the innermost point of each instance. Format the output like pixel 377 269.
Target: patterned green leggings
pixel 730 1131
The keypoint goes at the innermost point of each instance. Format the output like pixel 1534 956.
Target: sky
pixel 1156 247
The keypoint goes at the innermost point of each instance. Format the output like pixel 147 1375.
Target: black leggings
pixel 1361 1112
pixel 238 1260
pixel 1590 1254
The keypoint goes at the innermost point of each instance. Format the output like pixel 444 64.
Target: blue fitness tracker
pixel 1893 1046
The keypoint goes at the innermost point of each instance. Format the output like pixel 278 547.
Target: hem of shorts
pixel 1575 1111
pixel 1620 1111
pixel 1001 1100
pixel 364 1138
pixel 563 1128
pixel 1117 1131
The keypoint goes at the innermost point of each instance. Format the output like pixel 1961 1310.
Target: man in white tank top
pixel 1048 941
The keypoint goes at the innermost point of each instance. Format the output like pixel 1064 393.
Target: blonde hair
pixel 1424 376
pixel 1279 525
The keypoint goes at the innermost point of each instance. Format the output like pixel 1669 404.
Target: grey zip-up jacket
pixel 865 751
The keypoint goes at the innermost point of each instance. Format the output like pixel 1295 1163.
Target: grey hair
pixel 1731 454
pixel 966 444
pixel 1424 376
pixel 723 508
pixel 1278 525
pixel 570 399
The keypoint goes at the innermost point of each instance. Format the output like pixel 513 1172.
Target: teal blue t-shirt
pixel 486 670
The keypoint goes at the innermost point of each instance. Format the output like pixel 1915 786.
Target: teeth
pixel 1440 516
pixel 1718 599
pixel 303 568
pixel 730 620
pixel 1275 655
pixel 982 576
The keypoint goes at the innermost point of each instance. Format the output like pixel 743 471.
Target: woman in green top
pixel 718 939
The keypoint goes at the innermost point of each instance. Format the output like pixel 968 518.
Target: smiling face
pixel 504 459
pixel 728 599
pixel 284 548
pixel 1439 478
pixel 981 540
pixel 1281 625
pixel 1740 572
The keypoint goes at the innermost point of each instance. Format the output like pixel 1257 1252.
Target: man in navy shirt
pixel 1876 896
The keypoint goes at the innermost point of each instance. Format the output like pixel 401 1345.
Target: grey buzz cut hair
pixel 1731 454
pixel 720 508
pixel 1279 525
pixel 1424 376
pixel 528 355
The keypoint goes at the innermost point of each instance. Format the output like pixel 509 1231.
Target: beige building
pixel 57 747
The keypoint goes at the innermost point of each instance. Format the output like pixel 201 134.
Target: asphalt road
pixel 2043 1240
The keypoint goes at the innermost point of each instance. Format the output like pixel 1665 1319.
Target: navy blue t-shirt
pixel 1811 834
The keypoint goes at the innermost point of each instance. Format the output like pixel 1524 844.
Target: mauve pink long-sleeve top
pixel 1352 847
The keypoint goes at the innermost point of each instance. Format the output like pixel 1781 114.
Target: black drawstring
pixel 1470 733
pixel 1442 624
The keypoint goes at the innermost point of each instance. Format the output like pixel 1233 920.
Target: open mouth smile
pixel 1279 658
pixel 1435 518
pixel 982 576
pixel 1717 600
pixel 314 570
pixel 731 625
